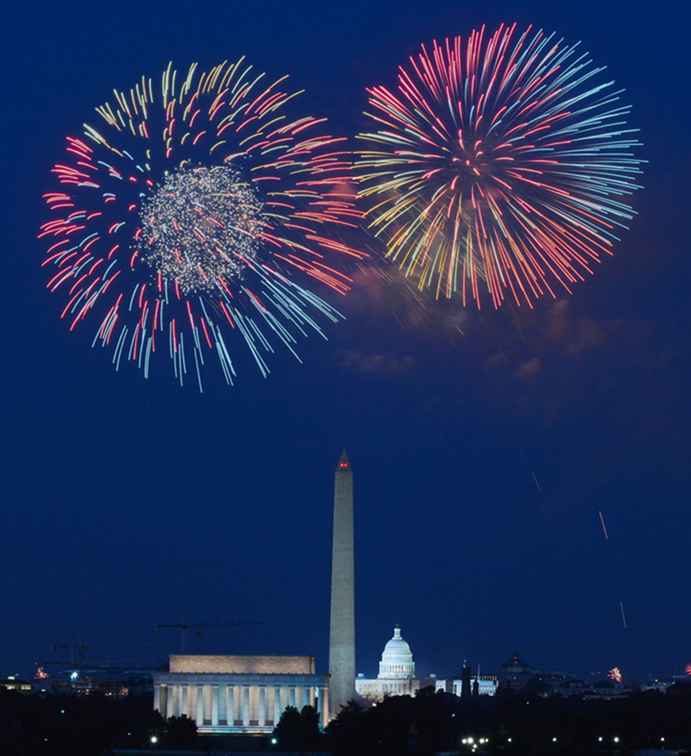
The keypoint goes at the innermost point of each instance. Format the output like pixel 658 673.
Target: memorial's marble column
pixel 261 714
pixel 184 700
pixel 157 697
pixel 173 693
pixel 164 700
pixel 222 710
pixel 292 696
pixel 200 706
pixel 230 705
pixel 245 705
pixel 278 708
pixel 192 702
pixel 301 703
pixel 214 705
pixel 326 706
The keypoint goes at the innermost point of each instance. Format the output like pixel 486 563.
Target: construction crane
pixel 199 627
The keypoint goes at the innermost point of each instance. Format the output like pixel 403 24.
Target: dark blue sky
pixel 129 503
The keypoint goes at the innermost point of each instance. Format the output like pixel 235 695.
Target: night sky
pixel 483 446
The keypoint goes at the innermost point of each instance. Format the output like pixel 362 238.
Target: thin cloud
pixel 382 363
pixel 528 370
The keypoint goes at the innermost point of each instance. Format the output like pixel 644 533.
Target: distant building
pixel 661 686
pixel 242 694
pixel 112 681
pixel 486 685
pixel 13 682
pixel 515 673
pixel 396 672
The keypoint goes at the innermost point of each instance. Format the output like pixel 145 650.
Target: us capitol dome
pixel 397 660
pixel 396 672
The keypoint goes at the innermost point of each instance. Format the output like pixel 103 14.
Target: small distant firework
pixel 623 615
pixel 501 167
pixel 688 669
pixel 193 217
pixel 40 674
pixel 615 675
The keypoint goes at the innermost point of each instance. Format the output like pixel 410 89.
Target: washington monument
pixel 342 635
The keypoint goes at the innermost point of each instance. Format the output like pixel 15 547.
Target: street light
pixel 554 740
pixel 616 738
pixel 153 740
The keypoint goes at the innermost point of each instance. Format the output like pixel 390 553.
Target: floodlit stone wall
pixel 243 665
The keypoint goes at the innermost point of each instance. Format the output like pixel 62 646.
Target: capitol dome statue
pixel 397 660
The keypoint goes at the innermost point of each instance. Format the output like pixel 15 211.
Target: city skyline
pixel 209 638
pixel 485 445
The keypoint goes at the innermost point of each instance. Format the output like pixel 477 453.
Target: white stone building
pixel 397 676
pixel 487 685
pixel 396 672
pixel 245 694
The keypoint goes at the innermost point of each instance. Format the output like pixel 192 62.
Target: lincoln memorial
pixel 245 694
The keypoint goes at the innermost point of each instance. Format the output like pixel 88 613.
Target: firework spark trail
pixel 605 533
pixel 604 527
pixel 191 218
pixel 501 164
pixel 537 485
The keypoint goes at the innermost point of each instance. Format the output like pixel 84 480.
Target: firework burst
pixel 192 217
pixel 500 167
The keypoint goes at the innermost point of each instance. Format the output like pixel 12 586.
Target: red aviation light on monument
pixel 343 462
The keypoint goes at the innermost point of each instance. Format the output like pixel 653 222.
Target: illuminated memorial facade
pixel 245 694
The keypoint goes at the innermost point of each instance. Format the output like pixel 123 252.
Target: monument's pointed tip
pixel 344 462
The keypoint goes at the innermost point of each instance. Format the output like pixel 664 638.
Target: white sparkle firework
pixel 201 226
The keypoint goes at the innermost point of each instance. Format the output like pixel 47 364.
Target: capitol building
pixel 397 676
pixel 396 672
